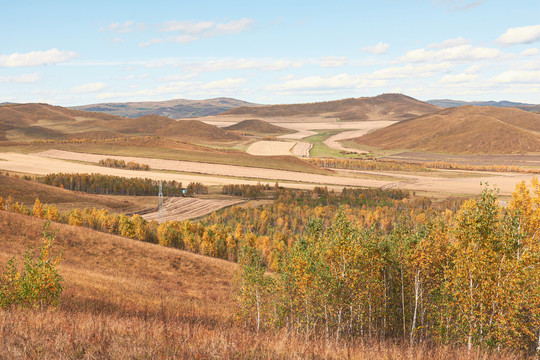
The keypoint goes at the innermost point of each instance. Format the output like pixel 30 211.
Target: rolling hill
pixel 23 122
pixel 446 103
pixel 382 107
pixel 175 109
pixel 257 126
pixel 466 129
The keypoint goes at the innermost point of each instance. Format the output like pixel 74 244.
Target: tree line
pixel 130 165
pixel 246 191
pixel 113 185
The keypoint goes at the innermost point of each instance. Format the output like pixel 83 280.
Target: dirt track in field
pixel 215 174
pixel 188 208
pixel 334 140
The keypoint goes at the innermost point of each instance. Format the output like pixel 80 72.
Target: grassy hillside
pixel 258 127
pixel 467 129
pixel 26 122
pixel 382 107
pixel 127 299
pixel 26 192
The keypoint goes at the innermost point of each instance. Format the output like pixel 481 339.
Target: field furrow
pixel 187 208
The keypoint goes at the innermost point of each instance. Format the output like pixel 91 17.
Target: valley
pixel 258 180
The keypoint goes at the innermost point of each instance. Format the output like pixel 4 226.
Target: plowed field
pixel 187 208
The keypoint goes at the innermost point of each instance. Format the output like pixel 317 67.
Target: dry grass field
pixel 125 299
pixel 463 130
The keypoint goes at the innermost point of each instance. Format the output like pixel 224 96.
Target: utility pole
pixel 160 196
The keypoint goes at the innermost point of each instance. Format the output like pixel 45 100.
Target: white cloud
pixel 450 43
pixel 529 52
pixel 151 42
pixel 89 88
pixel 379 49
pixel 184 39
pixel 456 53
pixel 458 78
pixel 474 69
pixel 342 81
pixel 459 5
pixel 411 71
pixel 224 83
pixel 232 27
pixel 192 31
pixel 36 58
pixel 24 78
pixel 123 27
pixel 174 88
pixel 333 61
pixel 520 35
pixel 242 64
pixel 519 76
pixel 189 27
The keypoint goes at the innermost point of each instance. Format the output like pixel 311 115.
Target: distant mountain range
pixel 175 109
pixel 447 103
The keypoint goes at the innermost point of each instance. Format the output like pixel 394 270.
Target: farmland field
pixel 216 174
pixel 187 208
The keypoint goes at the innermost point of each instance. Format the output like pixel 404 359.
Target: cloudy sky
pixel 75 53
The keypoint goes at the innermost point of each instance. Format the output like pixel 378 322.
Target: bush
pixel 38 284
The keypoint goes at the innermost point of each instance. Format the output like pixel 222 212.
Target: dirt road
pixel 366 126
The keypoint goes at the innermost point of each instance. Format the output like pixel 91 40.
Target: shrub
pixel 38 283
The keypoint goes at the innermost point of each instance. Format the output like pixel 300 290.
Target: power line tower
pixel 160 197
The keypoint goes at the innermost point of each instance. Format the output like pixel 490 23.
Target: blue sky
pixel 74 53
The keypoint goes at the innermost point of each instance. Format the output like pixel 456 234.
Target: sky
pixel 270 52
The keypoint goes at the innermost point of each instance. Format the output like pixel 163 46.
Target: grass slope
pixel 26 192
pixel 125 299
pixel 382 107
pixel 467 129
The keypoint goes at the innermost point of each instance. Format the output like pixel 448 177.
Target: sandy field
pixel 215 174
pixel 187 208
pixel 271 148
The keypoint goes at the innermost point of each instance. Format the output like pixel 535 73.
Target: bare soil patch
pixel 271 148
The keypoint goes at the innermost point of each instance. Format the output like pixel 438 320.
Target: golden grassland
pixel 128 299
pixel 463 130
